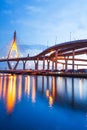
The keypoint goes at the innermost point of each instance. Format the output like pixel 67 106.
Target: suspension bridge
pixel 65 54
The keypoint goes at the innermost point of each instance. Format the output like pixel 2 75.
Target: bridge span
pixel 64 53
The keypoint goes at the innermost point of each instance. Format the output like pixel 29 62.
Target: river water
pixel 42 103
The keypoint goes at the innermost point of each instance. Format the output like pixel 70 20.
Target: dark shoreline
pixel 44 73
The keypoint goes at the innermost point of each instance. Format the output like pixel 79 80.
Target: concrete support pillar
pixel 73 59
pixel 56 55
pixel 43 63
pixel 36 64
pixel 66 61
pixel 52 65
pixel 24 65
pixel 16 65
pixel 65 64
pixel 48 64
pixel 9 65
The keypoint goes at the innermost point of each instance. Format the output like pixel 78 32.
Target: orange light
pixel 50 101
pixel 20 88
pixel 47 93
pixel 53 87
pixel 13 48
pixel 80 88
pixel 11 94
pixel 27 85
pixel 33 90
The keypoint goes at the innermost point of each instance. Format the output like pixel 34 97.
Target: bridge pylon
pixel 13 50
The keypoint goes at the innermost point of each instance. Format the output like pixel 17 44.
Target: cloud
pixel 7 12
pixel 18 21
pixel 34 9
pixel 11 1
pixel 42 0
pixel 43 22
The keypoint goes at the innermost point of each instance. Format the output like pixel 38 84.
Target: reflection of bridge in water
pixel 56 90
pixel 64 54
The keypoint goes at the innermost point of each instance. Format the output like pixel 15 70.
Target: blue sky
pixel 42 21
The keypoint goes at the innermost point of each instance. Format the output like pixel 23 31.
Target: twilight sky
pixel 42 21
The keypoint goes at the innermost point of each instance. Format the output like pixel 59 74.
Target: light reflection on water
pixel 58 93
